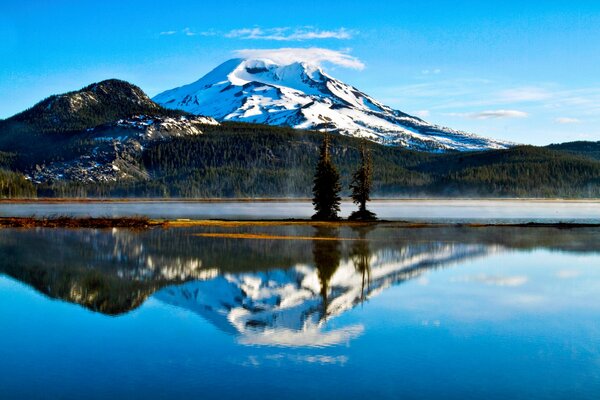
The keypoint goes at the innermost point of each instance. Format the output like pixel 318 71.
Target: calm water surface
pixel 414 210
pixel 385 312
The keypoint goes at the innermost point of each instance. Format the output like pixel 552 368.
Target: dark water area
pixel 301 313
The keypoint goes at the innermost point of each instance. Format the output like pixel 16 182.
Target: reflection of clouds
pixel 281 358
pixel 320 359
pixel 434 323
pixel 495 280
pixel 568 274
pixel 525 299
pixel 311 337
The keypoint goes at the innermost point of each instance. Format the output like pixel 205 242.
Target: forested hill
pixel 586 149
pixel 247 160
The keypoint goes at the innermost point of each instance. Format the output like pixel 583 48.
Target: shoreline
pixel 288 200
pixel 143 223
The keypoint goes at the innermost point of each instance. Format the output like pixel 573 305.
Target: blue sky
pixel 522 72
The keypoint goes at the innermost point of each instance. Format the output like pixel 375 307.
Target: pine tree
pixel 326 187
pixel 362 181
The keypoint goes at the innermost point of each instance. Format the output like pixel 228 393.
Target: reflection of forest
pixel 113 271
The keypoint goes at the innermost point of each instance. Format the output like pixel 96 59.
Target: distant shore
pixel 49 200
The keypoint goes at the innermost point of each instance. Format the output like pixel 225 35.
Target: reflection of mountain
pixel 291 307
pixel 114 271
pixel 108 271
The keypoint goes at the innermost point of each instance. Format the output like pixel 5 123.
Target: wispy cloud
pixel 516 280
pixel 545 112
pixel 476 93
pixel 190 32
pixel 568 274
pixel 523 94
pixel 422 113
pixel 280 34
pixel 491 114
pixel 567 120
pixel 312 55
pixel 289 34
pixel 283 358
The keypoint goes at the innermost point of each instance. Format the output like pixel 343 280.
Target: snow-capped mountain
pixel 302 96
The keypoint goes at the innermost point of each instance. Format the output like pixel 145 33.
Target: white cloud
pixel 289 34
pixel 435 71
pixel 491 114
pixel 523 94
pixel 312 55
pixel 423 113
pixel 567 120
pixel 189 32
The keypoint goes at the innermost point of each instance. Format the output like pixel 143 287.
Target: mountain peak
pixel 300 95
pixel 95 104
pixel 117 87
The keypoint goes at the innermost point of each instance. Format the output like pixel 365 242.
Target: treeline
pixel 587 149
pixel 247 160
pixel 14 185
pixel 252 160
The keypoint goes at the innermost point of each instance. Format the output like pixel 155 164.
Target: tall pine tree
pixel 360 186
pixel 326 187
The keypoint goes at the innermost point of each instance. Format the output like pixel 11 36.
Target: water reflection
pixel 326 256
pixel 265 292
pixel 361 257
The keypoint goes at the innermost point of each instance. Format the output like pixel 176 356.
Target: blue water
pixel 440 313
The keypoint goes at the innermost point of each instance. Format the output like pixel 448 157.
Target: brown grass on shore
pixel 85 200
pixel 68 222
pixel 145 223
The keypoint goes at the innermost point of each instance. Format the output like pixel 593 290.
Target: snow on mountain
pixel 302 96
pixel 117 146
pixel 291 307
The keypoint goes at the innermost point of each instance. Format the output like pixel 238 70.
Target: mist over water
pixel 407 210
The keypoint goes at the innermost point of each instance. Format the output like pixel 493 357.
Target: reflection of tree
pixel 327 255
pixel 360 253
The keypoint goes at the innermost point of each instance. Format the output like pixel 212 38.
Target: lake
pixel 428 210
pixel 299 312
